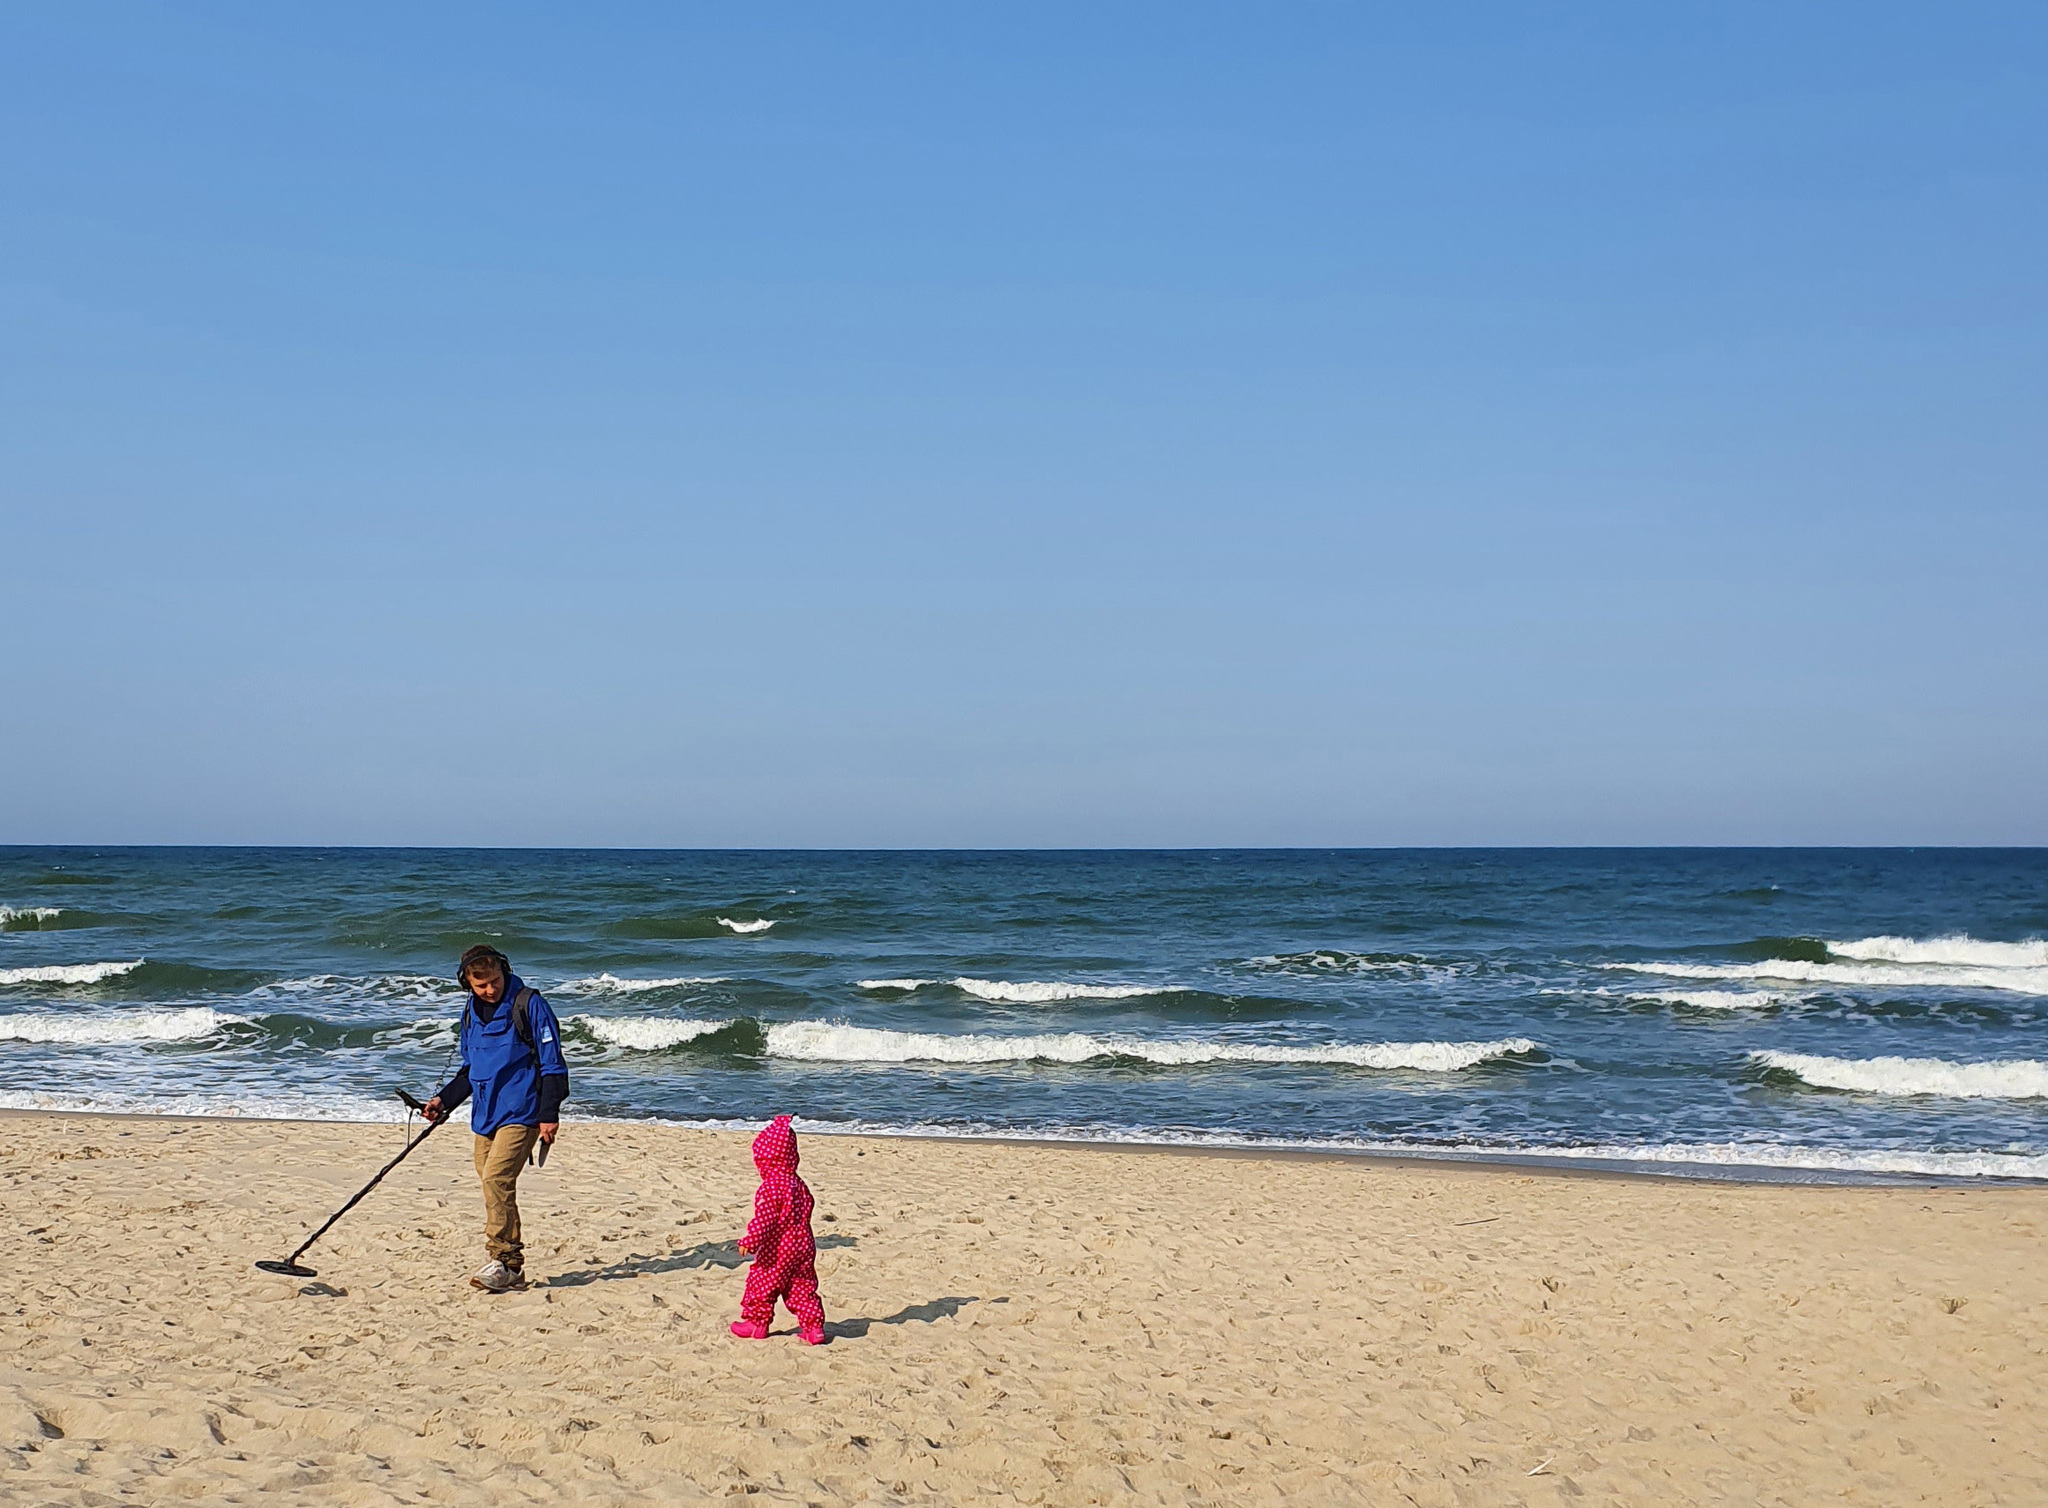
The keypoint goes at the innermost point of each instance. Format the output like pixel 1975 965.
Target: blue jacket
pixel 505 1074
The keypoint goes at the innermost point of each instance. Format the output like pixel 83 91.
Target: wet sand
pixel 1011 1322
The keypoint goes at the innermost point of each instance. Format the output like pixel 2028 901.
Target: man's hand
pixel 432 1110
pixel 548 1132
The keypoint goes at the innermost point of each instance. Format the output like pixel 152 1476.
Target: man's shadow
pixel 925 1314
pixel 725 1254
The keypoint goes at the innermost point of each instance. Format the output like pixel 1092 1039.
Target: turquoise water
pixel 1820 1013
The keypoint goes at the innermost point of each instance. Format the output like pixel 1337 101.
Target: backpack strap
pixel 522 1015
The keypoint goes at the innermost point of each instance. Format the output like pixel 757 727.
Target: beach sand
pixel 1013 1323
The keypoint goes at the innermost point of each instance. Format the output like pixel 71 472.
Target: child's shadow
pixel 925 1314
pixel 705 1254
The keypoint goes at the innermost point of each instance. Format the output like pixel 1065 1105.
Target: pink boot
pixel 748 1330
pixel 813 1335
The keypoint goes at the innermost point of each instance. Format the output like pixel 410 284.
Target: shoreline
pixel 1554 1165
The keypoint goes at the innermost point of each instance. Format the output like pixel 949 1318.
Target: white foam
pixel 103 1028
pixel 428 1031
pixel 9 915
pixel 756 925
pixel 1740 1155
pixel 1714 1158
pixel 1703 1159
pixel 1699 1000
pixel 1337 961
pixel 2028 981
pixel 1033 992
pixel 2019 1079
pixel 69 973
pixel 268 1105
pixel 905 985
pixel 830 1042
pixel 611 983
pixel 643 1034
pixel 415 989
pixel 1716 1000
pixel 1957 948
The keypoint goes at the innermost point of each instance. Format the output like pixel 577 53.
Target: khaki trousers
pixel 498 1160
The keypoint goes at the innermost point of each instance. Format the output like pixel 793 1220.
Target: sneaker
pixel 814 1335
pixel 495 1277
pixel 748 1330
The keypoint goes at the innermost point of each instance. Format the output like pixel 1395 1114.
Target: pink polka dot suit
pixel 785 1254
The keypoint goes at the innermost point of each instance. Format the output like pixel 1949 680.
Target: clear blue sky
pixel 1036 425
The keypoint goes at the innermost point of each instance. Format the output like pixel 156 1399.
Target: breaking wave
pixel 69 973
pixel 612 984
pixel 1716 1000
pixel 395 989
pixel 1028 992
pixel 1329 961
pixel 102 1029
pixel 27 918
pixel 1954 949
pixel 644 1034
pixel 1884 963
pixel 1699 1000
pixel 830 1042
pixel 758 924
pixel 2020 1079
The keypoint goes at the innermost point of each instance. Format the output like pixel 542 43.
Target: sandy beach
pixel 1011 1323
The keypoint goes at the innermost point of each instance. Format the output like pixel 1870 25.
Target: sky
pixel 1064 425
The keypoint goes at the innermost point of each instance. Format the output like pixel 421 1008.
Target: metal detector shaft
pixel 293 1259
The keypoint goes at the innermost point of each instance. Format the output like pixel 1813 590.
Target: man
pixel 512 1062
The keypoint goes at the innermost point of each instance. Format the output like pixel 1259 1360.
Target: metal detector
pixel 290 1267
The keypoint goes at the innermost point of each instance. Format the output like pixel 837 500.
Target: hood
pixel 775 1147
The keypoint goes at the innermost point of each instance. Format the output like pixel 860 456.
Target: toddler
pixel 785 1255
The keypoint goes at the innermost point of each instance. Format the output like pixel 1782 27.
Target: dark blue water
pixel 1830 1010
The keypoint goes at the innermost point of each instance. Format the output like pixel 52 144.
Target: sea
pixel 1827 1015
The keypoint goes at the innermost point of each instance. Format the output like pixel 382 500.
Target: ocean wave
pixel 398 989
pixel 1957 948
pixel 270 1105
pixel 1699 1000
pixel 646 1034
pixel 107 1029
pixel 1034 992
pixel 831 1042
pixel 1715 1000
pixel 758 924
pixel 2026 981
pixel 69 973
pixel 1327 961
pixel 612 984
pixel 27 918
pixel 1026 992
pixel 2018 1079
